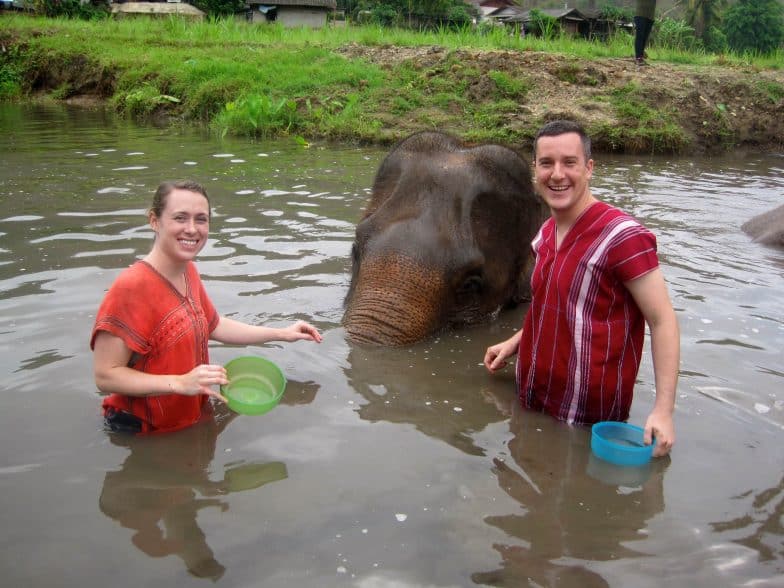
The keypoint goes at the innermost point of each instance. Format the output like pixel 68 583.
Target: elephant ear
pixel 522 291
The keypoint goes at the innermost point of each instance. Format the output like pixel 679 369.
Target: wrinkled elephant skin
pixel 444 240
pixel 767 228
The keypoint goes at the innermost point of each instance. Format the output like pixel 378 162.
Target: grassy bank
pixel 365 83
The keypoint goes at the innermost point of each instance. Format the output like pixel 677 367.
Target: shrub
pixel 220 7
pixel 543 25
pixel 73 8
pixel 754 26
pixel 675 34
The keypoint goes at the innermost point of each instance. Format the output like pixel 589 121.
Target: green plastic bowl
pixel 255 385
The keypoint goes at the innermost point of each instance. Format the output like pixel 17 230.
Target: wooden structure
pixel 291 13
pixel 572 21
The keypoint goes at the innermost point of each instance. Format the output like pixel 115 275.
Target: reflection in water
pixel 164 483
pixel 569 515
pixel 398 392
pixel 762 527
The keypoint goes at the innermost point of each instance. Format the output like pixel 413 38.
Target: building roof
pixel 156 8
pixel 558 13
pixel 329 4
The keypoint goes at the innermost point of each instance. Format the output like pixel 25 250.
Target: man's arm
pixel 650 294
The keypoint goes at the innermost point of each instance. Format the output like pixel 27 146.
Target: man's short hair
pixel 561 127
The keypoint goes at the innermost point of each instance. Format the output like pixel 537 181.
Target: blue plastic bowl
pixel 620 443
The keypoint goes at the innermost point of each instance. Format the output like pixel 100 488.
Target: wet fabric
pixel 167 332
pixel 582 337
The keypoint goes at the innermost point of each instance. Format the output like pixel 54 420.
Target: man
pixel 595 284
pixel 643 24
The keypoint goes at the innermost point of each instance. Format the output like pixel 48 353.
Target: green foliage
pixel 416 13
pixel 143 100
pixel 772 90
pixel 305 82
pixel 378 14
pixel 459 15
pixel 755 26
pixel 675 35
pixel 715 40
pixel 615 14
pixel 702 15
pixel 509 87
pixel 220 7
pixel 543 25
pixel 11 73
pixel 258 115
pixel 643 127
pixel 93 10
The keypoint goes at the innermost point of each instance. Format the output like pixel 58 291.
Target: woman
pixel 150 338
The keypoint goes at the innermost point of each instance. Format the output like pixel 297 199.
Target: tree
pixel 755 25
pixel 701 15
pixel 411 12
pixel 219 7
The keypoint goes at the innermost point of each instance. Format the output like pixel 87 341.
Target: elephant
pixel 767 228
pixel 444 240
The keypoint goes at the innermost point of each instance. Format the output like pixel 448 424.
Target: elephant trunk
pixel 394 301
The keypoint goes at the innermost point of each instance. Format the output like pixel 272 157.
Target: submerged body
pixel 767 228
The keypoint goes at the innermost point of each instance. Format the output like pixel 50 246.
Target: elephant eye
pixel 471 285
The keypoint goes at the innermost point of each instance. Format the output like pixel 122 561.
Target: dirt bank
pixel 506 95
pixel 661 107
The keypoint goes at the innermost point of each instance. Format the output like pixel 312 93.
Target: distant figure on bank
pixel 152 328
pixel 643 23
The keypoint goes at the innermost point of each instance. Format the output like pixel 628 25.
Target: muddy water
pixel 386 467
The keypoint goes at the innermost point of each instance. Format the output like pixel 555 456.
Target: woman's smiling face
pixel 183 226
pixel 562 172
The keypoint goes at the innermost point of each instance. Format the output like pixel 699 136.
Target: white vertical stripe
pixel 580 329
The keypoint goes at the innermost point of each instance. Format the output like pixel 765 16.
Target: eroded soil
pixel 714 108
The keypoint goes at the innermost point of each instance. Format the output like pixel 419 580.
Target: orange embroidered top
pixel 167 332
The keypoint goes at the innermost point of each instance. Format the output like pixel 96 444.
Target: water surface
pixel 382 467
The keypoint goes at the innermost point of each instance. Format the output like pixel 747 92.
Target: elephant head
pixel 767 228
pixel 444 240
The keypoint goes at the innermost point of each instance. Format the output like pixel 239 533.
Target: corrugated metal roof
pixel 559 13
pixel 156 8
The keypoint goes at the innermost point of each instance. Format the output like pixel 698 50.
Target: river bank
pixel 658 108
pixel 255 82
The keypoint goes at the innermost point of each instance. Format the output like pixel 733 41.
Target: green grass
pixel 263 80
pixel 642 127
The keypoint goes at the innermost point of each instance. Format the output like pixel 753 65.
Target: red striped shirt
pixel 583 334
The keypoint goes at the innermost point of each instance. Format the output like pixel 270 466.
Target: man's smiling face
pixel 562 173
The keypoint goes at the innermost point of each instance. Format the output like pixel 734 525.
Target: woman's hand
pixel 300 331
pixel 200 381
